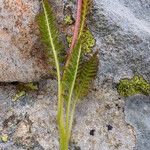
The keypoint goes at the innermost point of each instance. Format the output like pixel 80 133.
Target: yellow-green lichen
pixel 68 20
pixel 27 86
pixel 135 85
pixel 18 96
pixel 69 39
pixel 4 138
pixel 23 88
pixel 88 41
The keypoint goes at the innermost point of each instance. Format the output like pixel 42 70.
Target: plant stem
pixel 71 118
pixel 72 115
pixel 64 141
pixel 71 90
pixel 65 136
pixel 77 26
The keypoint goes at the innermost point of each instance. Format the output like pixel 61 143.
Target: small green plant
pixel 75 72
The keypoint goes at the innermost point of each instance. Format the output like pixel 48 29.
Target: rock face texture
pixel 121 28
pixel 21 58
pixel 103 120
pixel 137 114
pixel 30 122
pixel 21 55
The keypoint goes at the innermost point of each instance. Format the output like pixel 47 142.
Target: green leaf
pixel 87 72
pixel 71 71
pixel 50 35
pixel 85 11
pixel 68 82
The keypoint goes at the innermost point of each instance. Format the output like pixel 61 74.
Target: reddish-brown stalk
pixel 76 30
pixel 77 26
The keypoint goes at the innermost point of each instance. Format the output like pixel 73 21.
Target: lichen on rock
pixel 135 85
pixel 88 41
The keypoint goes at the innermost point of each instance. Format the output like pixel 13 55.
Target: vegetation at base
pixel 77 68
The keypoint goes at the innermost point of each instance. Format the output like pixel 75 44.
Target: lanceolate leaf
pixel 86 4
pixel 69 78
pixel 86 74
pixel 71 71
pixel 50 35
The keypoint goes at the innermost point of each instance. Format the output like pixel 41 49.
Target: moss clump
pixel 135 85
pixel 88 41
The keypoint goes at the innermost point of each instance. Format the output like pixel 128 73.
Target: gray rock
pixel 30 122
pixel 137 112
pixel 21 58
pixel 122 30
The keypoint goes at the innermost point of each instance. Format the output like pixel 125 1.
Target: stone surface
pixel 137 112
pixel 22 57
pixel 30 122
pixel 122 30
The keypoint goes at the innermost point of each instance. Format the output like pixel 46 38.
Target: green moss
pixel 135 85
pixel 88 41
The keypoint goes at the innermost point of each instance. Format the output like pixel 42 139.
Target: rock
pixel 122 30
pixel 22 57
pixel 22 129
pixel 137 112
pixel 31 122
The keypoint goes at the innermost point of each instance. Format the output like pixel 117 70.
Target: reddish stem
pixel 77 26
